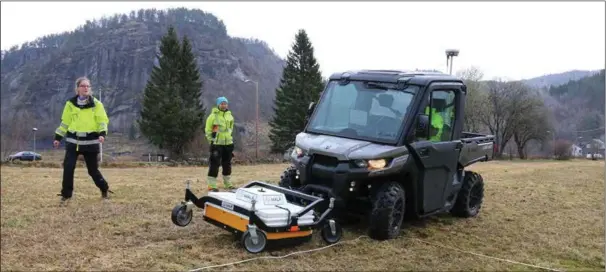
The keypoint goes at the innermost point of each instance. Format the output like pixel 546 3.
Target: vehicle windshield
pixel 372 111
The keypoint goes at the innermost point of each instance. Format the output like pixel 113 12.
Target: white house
pixel 576 151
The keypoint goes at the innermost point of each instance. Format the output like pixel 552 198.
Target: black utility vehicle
pixel 388 144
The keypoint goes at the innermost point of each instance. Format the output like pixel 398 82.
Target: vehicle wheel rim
pixel 475 197
pixel 252 247
pixel 397 214
pixel 331 239
pixel 328 234
pixel 183 216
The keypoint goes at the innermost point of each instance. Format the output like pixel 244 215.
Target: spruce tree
pixel 301 84
pixel 171 106
pixel 192 109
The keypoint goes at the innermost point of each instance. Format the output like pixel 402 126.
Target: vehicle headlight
pixel 376 164
pixel 361 163
pixel 297 152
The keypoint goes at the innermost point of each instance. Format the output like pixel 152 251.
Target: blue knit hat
pixel 221 100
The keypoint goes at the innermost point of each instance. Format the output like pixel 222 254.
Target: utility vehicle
pixel 388 145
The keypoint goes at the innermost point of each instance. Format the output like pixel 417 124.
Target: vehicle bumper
pixel 341 180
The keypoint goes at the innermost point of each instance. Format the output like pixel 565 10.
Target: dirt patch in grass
pixel 544 213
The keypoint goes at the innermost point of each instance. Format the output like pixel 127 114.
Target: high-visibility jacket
pixel 437 122
pixel 82 124
pixel 219 127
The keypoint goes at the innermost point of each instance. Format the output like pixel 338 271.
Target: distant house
pixel 600 144
pixel 576 151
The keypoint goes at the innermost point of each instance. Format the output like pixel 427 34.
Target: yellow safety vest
pixel 437 122
pixel 82 124
pixel 221 122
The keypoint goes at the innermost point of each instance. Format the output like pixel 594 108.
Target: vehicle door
pixel 28 155
pixel 439 155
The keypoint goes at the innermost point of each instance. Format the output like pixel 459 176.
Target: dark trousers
pixel 69 166
pixel 220 155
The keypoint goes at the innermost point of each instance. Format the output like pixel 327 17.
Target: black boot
pixel 64 200
pixel 104 194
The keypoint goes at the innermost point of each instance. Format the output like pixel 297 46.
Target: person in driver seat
pixel 437 122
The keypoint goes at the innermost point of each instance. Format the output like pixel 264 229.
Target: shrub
pixel 563 150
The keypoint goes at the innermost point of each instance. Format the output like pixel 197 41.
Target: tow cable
pixel 364 236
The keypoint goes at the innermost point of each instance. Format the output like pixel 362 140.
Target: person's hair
pixel 78 81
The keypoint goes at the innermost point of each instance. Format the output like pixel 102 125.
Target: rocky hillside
pixel 118 53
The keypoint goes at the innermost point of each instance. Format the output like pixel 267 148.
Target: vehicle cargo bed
pixel 476 147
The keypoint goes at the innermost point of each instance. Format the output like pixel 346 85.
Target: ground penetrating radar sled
pixel 259 212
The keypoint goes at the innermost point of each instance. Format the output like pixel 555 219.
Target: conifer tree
pixel 301 84
pixel 171 108
pixel 192 109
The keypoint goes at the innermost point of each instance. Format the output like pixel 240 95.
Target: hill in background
pixel 576 101
pixel 547 81
pixel 118 54
pixel 578 107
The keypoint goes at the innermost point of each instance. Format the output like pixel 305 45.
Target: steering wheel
pixel 349 131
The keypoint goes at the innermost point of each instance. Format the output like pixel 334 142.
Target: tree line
pixel 172 109
pixel 509 110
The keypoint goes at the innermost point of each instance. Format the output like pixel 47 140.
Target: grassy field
pixel 543 213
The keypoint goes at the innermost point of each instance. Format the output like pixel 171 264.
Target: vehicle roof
pixel 393 76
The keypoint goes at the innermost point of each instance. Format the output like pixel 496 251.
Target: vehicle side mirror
pixel 310 109
pixel 422 128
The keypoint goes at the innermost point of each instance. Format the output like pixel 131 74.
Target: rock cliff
pixel 118 54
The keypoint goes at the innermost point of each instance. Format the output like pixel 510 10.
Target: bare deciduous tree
pixel 531 122
pixel 510 107
pixel 495 113
pixel 475 98
pixel 198 147
pixel 16 135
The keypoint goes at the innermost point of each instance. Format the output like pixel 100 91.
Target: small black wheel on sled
pixel 327 234
pixel 180 216
pixel 250 245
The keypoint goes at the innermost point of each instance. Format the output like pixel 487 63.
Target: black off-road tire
pixel 290 181
pixel 470 198
pixel 388 207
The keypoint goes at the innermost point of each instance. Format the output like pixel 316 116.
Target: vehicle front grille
pixel 325 160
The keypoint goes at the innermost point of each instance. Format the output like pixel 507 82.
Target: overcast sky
pixel 512 40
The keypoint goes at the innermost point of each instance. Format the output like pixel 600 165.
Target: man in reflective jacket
pixel 83 126
pixel 218 130
pixel 437 124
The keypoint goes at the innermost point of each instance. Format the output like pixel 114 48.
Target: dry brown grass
pixel 543 213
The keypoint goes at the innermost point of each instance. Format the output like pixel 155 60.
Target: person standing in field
pixel 84 125
pixel 218 131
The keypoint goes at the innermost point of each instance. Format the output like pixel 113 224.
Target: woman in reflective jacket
pixel 219 127
pixel 83 126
